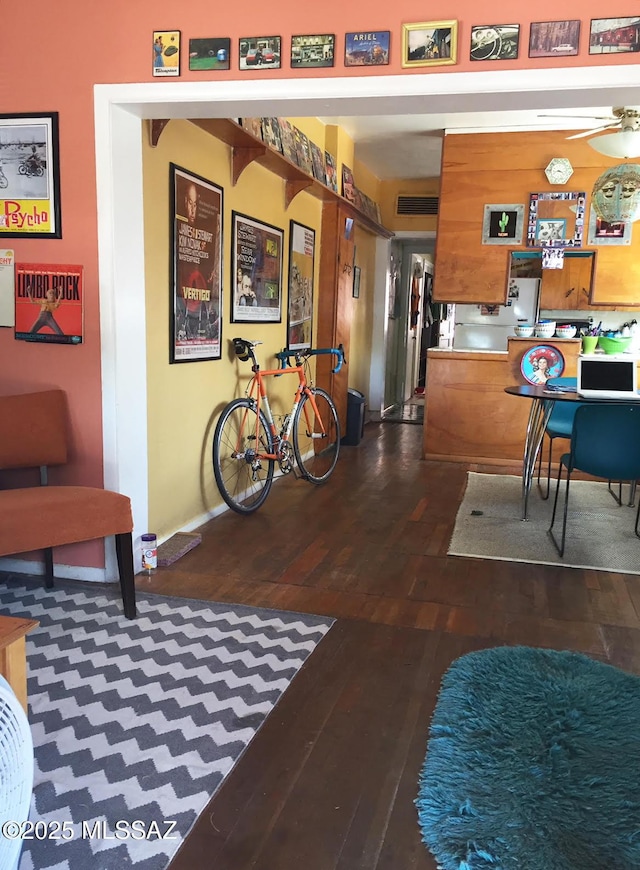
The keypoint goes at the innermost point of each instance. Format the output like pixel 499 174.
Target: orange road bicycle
pixel 247 444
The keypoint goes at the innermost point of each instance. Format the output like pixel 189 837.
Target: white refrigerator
pixel 482 327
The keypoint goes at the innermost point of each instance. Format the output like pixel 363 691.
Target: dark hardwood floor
pixel 329 781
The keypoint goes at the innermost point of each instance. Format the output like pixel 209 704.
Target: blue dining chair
pixel 560 425
pixel 605 442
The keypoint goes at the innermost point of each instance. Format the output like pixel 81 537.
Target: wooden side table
pixel 13 657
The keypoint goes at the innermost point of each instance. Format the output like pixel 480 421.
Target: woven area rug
pixel 532 763
pixel 599 532
pixel 141 720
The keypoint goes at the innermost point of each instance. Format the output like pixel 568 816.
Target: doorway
pixel 118 110
pixel 411 262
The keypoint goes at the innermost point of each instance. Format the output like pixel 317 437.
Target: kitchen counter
pixel 535 340
pixel 468 416
pixel 465 353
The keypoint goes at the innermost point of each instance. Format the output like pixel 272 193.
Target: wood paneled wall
pixel 468 415
pixel 505 168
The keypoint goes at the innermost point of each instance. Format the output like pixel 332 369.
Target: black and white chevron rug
pixel 136 722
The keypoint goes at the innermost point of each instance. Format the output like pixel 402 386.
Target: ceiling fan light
pixel 620 145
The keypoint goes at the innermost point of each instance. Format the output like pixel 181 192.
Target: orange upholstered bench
pixel 33 434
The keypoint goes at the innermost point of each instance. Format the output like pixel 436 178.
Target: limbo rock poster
pixel 49 303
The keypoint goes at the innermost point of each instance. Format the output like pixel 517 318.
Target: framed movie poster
pixel 29 176
pixel 49 303
pixel 302 246
pixel 256 271
pixel 196 267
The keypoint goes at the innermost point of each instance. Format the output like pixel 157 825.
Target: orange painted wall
pixel 53 54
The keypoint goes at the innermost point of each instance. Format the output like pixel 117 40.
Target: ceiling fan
pixel 621 144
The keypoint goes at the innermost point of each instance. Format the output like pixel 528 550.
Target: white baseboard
pixel 64 572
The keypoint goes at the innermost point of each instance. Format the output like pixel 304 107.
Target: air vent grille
pixel 417 205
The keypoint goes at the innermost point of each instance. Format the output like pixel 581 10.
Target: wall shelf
pixel 247 149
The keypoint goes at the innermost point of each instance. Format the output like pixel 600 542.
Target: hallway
pixel 329 781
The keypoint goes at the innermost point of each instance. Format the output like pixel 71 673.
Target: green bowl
pixel 614 345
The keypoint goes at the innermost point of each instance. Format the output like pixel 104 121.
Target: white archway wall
pixel 118 110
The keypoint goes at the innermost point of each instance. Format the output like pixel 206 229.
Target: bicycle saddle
pixel 241 348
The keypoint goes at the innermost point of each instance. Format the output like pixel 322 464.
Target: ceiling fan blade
pixel 592 132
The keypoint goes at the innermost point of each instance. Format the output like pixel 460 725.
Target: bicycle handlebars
pixel 244 350
pixel 285 355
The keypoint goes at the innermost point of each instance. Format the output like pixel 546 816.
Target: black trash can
pixel 355 418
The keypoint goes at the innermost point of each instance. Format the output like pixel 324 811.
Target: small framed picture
pixel 603 232
pixel 503 224
pixel 556 219
pixel 317 155
pixel 312 52
pixel 550 230
pixel 288 140
pixel 348 185
pixel 367 48
pixel 260 52
pixel 614 35
pixel 331 171
pixel 271 133
pixel 209 54
pixel 253 126
pixel 495 42
pixel 166 53
pixel 430 43
pixel 554 38
pixel 303 150
pixel 356 282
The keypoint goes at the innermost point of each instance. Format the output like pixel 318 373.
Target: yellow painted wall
pixel 185 400
pixel 313 128
pixel 362 313
pixel 366 181
pixel 391 189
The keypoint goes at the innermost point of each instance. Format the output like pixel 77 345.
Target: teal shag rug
pixel 533 762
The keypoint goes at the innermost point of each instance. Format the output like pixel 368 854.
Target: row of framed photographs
pixel 555 38
pixel 196 291
pixel 423 44
pixel 284 137
pixel 550 224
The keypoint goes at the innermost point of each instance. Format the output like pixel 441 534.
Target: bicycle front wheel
pixel 243 478
pixel 316 436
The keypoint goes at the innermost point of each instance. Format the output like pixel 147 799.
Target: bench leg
pixel 124 553
pixel 48 568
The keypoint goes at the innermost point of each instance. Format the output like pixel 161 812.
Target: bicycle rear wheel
pixel 316 445
pixel 244 480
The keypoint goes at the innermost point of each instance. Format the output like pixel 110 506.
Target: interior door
pixel 335 300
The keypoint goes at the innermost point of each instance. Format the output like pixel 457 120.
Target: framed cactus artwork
pixel 503 224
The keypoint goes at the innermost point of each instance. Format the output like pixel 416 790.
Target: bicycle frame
pixel 257 391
